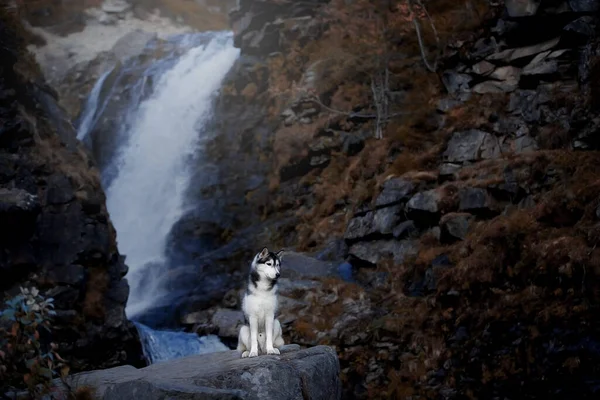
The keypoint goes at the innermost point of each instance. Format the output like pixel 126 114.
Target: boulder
pixel 376 251
pixel 483 68
pixel 456 83
pixel 395 191
pixel 521 8
pixel 295 374
pixel 477 200
pixel 496 86
pixel 294 263
pixel 379 222
pixel 228 322
pixel 427 201
pixel 471 145
pixel 424 208
pixel 584 5
pixel 508 55
pixel 541 65
pixel 404 229
pixel 455 226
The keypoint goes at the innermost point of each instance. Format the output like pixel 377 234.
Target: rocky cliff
pixel 56 233
pixel 469 226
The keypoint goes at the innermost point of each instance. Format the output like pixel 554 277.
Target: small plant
pixel 24 359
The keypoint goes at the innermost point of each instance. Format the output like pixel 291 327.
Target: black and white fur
pixel 263 331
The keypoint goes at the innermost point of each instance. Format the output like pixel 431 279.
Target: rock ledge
pixel 307 374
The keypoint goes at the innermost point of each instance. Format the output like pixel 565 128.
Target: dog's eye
pixel 269 263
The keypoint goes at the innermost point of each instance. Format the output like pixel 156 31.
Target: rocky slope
pixel 470 227
pixel 56 233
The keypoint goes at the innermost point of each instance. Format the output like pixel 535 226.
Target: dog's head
pixel 267 263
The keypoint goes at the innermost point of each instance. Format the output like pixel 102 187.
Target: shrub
pixel 24 359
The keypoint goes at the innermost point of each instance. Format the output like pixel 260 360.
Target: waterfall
pixel 166 345
pixel 90 112
pixel 159 143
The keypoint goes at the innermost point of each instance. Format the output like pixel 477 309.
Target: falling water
pixel 146 198
pixel 91 110
pixel 159 146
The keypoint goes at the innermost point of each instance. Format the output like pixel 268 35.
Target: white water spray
pixel 146 198
pixel 91 108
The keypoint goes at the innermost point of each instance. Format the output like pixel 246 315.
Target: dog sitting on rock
pixel 262 332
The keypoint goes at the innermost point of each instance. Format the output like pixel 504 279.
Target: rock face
pixel 310 374
pixel 56 233
pixel 468 258
pixel 436 250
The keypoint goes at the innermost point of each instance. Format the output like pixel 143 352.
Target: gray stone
pixel 522 52
pixel 506 73
pixel 475 199
pixel 483 68
pixel 584 5
pixel 425 201
pixel 374 252
pixel 496 86
pixel 304 265
pixel 382 221
pixel 455 82
pixel 449 169
pixel 404 229
pixel 228 322
pixel 524 144
pixel 455 226
pixel 527 104
pixel 288 286
pixel 395 190
pixel 583 26
pixel 540 65
pixel 521 8
pixel 484 47
pixel 471 145
pixel 295 375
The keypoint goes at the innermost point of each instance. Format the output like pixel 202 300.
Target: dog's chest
pixel 260 304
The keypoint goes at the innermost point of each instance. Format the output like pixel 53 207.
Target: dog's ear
pixel 279 254
pixel 264 253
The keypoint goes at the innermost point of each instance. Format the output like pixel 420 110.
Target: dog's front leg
pixel 253 336
pixel 269 328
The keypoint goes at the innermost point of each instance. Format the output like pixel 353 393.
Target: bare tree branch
pixel 429 66
pixel 315 99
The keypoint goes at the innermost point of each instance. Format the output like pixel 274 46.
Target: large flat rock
pixel 307 374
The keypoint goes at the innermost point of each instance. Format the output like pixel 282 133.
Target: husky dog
pixel 260 305
pixel 244 340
